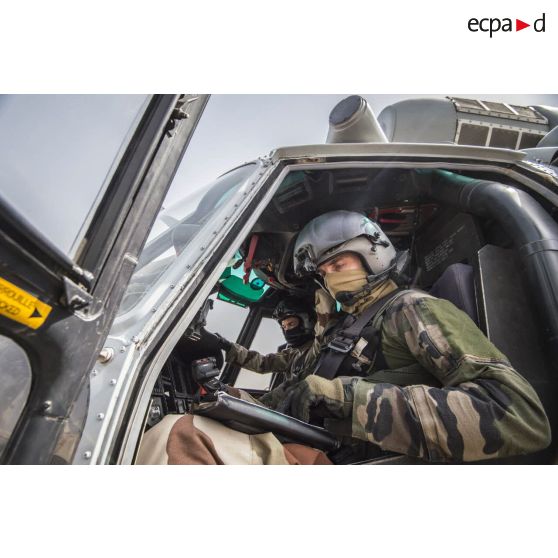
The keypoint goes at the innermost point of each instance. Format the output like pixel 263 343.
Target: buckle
pixel 341 344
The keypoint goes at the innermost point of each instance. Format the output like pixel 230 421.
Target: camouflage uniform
pixel 292 360
pixel 294 363
pixel 475 407
pixel 448 395
pixel 304 363
pixel 289 361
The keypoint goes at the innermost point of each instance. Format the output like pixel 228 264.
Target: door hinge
pixel 76 298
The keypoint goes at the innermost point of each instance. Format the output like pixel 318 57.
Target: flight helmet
pixel 340 231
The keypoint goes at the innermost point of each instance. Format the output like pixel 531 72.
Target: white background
pixel 280 47
pixel 254 46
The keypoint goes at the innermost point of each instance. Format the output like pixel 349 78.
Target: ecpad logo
pixel 494 24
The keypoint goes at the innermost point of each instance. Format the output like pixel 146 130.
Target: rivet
pixel 122 349
pixel 87 455
pixel 100 416
pixel 94 372
pixel 106 355
pixel 153 309
pixel 47 405
pixel 171 286
pixel 135 339
pixel 113 382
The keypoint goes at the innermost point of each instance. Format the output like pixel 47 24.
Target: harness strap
pixel 332 358
pixel 343 343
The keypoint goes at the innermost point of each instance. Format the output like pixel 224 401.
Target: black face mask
pixel 296 336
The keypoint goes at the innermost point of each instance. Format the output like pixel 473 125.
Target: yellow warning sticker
pixel 18 305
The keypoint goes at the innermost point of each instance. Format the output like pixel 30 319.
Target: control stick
pixel 205 372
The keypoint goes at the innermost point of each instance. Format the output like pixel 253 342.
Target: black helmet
pixel 292 306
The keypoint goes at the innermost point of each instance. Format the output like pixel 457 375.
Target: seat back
pixel 457 285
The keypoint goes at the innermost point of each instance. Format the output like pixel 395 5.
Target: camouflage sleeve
pixel 252 360
pixel 483 410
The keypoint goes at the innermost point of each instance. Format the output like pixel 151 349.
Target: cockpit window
pixel 176 227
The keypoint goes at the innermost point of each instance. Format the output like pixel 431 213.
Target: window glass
pixel 176 227
pixel 57 153
pixel 226 319
pixel 15 383
pixel 268 338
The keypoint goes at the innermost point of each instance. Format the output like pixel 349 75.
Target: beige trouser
pixel 195 440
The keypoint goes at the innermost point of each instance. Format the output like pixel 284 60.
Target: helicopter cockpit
pixel 464 254
pixel 475 225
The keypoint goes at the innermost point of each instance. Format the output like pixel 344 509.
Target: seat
pixel 457 285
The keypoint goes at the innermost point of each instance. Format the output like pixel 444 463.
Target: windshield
pixel 176 227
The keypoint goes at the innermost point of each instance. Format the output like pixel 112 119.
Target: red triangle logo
pixel 519 25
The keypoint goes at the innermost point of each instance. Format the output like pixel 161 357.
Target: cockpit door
pixel 58 302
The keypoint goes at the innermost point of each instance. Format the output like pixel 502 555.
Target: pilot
pixel 405 371
pixel 297 320
pixel 436 388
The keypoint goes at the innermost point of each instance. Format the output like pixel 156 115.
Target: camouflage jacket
pixel 295 364
pixel 289 361
pixel 477 406
pixel 305 362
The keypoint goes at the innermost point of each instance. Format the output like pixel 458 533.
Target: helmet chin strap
pixel 319 282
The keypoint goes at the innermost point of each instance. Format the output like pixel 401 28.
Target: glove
pixel 214 340
pixel 328 398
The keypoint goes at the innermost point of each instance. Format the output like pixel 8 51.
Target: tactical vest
pixel 352 347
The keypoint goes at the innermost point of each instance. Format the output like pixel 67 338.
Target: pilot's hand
pixel 327 398
pixel 214 340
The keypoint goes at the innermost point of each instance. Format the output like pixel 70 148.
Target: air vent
pixel 467 104
pixel 502 111
pixel 498 107
pixel 503 138
pixel 471 134
pixel 529 140
pixel 346 183
pixel 525 111
pixel 292 197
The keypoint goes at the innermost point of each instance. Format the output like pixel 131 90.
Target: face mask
pixel 295 336
pixel 343 282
